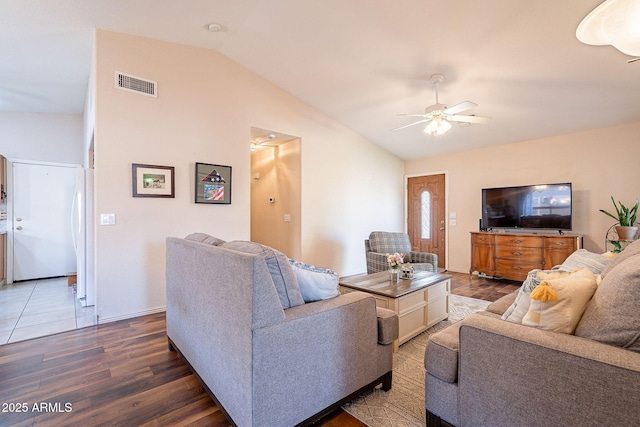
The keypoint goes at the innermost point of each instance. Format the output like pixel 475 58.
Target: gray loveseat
pixel 485 371
pixel 235 314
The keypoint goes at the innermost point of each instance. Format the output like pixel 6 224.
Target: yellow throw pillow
pixel 558 302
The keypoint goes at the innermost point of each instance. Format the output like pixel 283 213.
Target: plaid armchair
pixel 381 243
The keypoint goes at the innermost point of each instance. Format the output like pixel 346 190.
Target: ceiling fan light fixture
pixel 615 23
pixel 437 126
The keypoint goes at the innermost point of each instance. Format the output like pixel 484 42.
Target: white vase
pixel 394 274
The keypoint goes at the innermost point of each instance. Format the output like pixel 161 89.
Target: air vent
pixel 136 84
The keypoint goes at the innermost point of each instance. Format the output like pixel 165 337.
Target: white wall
pixel 599 163
pixel 43 137
pixel 204 112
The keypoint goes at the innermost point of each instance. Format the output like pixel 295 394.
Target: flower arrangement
pixel 395 260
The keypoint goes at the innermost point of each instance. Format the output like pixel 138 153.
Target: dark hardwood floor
pixel 122 374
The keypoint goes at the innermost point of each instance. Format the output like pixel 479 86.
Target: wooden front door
pixel 426 222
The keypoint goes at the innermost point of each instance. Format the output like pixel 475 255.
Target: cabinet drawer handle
pixel 515 267
pixel 559 243
pixel 516 253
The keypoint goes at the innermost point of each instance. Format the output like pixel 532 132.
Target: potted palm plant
pixel 626 218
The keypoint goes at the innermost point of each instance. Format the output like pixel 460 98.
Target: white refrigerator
pixel 83 235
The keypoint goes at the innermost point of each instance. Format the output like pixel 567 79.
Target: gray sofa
pixel 235 314
pixel 485 371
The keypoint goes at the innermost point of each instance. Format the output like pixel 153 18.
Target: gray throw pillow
pixel 281 271
pixel 612 316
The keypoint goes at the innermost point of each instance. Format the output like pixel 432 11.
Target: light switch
pixel 107 219
pixel 452 222
pixel 453 215
pixel 287 217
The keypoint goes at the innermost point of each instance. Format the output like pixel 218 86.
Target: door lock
pixel 19 227
pixel 18 219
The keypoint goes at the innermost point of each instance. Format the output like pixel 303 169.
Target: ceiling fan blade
pixel 411 124
pixel 413 115
pixel 460 107
pixel 468 119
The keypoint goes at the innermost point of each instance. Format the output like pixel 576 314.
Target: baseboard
pixel 102 320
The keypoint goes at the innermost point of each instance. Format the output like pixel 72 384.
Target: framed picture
pixel 213 184
pixel 153 181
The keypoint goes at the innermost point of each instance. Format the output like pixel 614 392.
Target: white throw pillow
pixel 558 303
pixel 316 283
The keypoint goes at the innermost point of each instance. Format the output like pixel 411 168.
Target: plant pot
pixel 626 233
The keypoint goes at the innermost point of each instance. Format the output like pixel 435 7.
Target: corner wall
pixel 204 112
pixel 600 163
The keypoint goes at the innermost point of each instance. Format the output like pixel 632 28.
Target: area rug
pixel 403 405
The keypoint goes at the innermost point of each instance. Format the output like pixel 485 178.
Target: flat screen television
pixel 544 206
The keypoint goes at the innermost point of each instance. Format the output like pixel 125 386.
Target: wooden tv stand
pixel 513 255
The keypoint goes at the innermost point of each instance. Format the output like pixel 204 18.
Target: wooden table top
pixel 379 283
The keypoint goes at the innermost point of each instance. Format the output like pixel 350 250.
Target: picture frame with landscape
pixel 153 180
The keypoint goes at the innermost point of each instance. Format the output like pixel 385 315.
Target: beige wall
pixel 279 177
pixel 204 112
pixel 599 163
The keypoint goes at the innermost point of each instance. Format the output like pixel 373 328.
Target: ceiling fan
pixel 439 116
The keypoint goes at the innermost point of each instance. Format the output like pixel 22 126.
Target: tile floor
pixel 40 307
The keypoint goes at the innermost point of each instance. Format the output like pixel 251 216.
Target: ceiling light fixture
pixel 437 126
pixel 614 22
pixel 214 28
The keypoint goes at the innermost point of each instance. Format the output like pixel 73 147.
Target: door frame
pixel 10 215
pixel 446 206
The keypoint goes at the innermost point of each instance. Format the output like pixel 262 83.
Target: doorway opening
pixel 426 215
pixel 276 168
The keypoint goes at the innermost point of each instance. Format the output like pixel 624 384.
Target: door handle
pixel 18 219
pixel 441 228
pixel 19 227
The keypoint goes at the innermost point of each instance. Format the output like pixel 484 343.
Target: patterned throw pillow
pixel 516 312
pixel 316 283
pixel 583 258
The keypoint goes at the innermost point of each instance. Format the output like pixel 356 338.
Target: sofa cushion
pixel 279 267
pixel 520 306
pixel 389 242
pixel 501 305
pixel 316 283
pixel 583 258
pixel 205 238
pixel 612 316
pixel 558 302
pixel 630 251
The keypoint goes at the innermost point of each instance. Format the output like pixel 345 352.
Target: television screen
pixel 546 206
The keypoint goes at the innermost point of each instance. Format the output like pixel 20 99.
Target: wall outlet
pixel 287 217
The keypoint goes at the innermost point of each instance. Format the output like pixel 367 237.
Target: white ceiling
pixel 359 61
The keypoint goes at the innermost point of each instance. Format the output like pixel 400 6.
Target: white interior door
pixel 42 203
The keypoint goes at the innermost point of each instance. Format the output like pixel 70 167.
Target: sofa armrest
pixel 534 377
pixel 376 262
pixel 332 344
pixel 388 325
pixel 424 258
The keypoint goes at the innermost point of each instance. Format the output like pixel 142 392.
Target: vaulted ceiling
pixel 361 62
